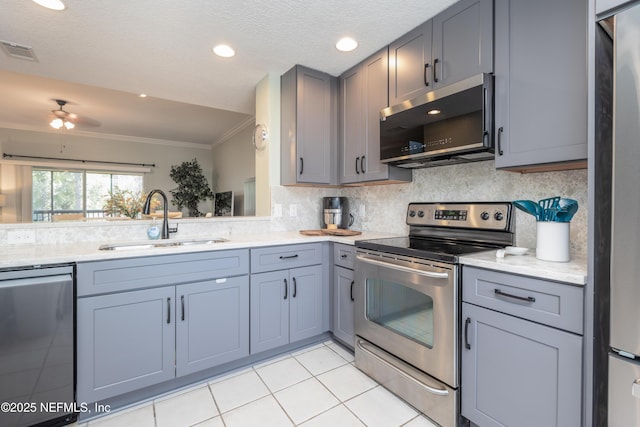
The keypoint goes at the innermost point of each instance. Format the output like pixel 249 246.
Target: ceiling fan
pixel 68 120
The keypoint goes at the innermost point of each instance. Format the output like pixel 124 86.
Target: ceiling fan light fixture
pixel 56 123
pixel 69 125
pixel 51 4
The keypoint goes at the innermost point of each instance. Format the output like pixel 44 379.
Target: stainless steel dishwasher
pixel 37 367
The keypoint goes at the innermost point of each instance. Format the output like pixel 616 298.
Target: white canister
pixel 552 241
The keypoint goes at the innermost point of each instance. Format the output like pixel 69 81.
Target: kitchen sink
pixel 159 244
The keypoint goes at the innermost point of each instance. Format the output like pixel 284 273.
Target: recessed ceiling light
pixel 51 4
pixel 224 50
pixel 143 95
pixel 433 112
pixel 346 44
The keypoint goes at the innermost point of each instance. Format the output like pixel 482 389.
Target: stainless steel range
pixel 407 300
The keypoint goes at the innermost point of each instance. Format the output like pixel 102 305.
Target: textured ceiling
pixel 99 54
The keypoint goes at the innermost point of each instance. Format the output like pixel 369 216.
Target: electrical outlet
pixel 277 210
pixel 20 237
pixel 293 210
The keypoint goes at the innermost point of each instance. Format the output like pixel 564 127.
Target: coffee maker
pixel 335 213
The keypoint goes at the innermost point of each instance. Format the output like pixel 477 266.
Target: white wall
pixel 234 163
pixel 67 145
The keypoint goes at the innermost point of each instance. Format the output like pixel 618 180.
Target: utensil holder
pixel 552 241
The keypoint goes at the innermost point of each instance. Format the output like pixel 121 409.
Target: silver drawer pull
pixel 504 294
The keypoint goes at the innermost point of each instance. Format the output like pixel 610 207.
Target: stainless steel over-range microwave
pixel 450 125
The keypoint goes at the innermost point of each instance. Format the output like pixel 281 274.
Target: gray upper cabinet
pixel 308 127
pixel 540 84
pixel 212 325
pixel 363 93
pixel 414 76
pixel 454 45
pixel 462 42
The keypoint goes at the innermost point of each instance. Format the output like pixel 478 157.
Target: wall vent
pixel 18 51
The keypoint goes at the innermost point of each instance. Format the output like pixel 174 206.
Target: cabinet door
pixel 126 341
pixel 462 42
pixel 539 119
pixel 343 298
pixel 352 138
pixel 306 307
pixel 269 306
pixel 308 127
pixel 519 373
pixel 410 65
pixel 213 323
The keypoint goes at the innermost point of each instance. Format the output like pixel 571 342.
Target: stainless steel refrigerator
pixel 624 357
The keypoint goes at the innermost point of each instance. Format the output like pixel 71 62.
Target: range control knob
pixel 498 216
pixel 420 214
pixel 484 215
pixel 412 213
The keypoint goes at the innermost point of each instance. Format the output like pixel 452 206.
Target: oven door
pixel 408 307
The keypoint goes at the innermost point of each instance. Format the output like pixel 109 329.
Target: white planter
pixel 552 241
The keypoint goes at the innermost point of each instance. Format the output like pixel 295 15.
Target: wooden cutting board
pixel 336 232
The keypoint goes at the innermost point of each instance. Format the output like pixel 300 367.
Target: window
pixel 78 192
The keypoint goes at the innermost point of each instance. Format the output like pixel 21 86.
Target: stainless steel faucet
pixel 165 211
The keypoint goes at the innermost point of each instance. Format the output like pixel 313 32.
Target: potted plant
pixel 192 187
pixel 125 203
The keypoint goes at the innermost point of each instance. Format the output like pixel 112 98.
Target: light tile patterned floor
pixel 314 387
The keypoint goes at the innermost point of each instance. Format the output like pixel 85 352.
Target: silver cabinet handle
pixel 431 274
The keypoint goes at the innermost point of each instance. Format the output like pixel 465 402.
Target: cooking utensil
pixel 530 207
pixel 549 207
pixel 566 210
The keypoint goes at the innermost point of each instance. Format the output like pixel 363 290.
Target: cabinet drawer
pixel 284 257
pixel 153 271
pixel 343 255
pixel 550 303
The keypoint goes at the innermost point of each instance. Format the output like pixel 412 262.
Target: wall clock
pixel 260 136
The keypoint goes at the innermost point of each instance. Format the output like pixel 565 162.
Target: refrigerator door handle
pixel 635 389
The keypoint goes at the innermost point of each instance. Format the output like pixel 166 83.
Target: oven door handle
pixel 431 274
pixel 439 391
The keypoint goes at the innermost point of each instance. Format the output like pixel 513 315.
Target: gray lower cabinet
pixel 212 327
pixel 158 329
pixel 363 93
pixel 343 299
pixel 126 341
pixel 286 306
pixel 540 119
pixel 308 127
pixel 518 367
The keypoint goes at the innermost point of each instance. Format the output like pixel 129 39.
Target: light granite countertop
pixel 573 272
pixel 39 254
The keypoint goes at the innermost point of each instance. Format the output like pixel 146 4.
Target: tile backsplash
pixel 382 208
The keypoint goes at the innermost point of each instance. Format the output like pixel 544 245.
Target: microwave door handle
pixel 431 274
